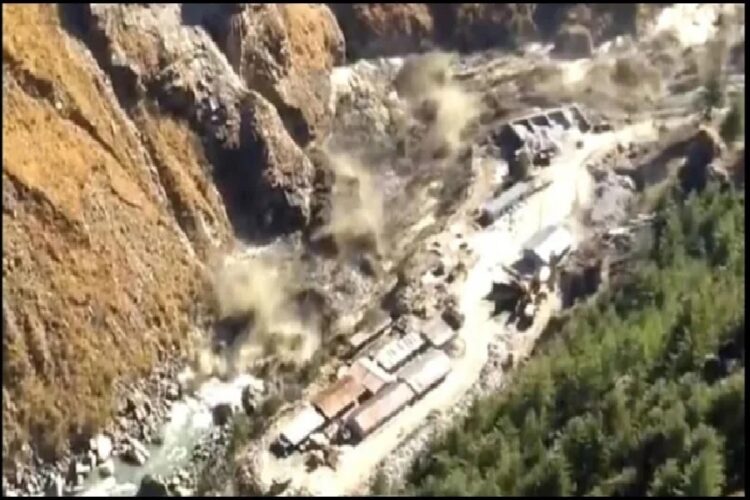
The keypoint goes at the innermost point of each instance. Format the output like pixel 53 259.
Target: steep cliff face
pixel 387 29
pixel 132 151
pixel 99 277
pixel 285 52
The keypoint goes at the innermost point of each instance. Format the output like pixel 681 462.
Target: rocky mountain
pixel 373 30
pixel 139 140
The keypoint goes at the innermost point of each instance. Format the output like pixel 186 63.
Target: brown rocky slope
pixel 131 152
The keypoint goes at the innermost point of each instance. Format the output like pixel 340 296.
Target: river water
pixel 190 420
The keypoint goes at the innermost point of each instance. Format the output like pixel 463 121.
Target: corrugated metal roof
pixel 302 425
pixel 376 411
pixel 426 371
pixel 437 332
pixel 550 240
pixel 399 350
pixel 507 198
pixel 337 397
pixel 370 375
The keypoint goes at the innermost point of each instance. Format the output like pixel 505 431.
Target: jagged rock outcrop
pixel 285 52
pixel 385 29
pixel 264 177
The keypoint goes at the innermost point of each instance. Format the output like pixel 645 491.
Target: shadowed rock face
pixel 285 52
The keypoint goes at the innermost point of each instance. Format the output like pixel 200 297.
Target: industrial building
pixel 539 131
pixel 437 332
pixel 339 397
pixel 497 207
pixel 369 375
pixel 425 372
pixel 372 326
pixel 398 351
pixel 376 386
pixel 550 242
pixel 298 429
pixel 378 410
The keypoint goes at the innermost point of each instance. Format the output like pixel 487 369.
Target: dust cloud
pixel 357 213
pixel 433 97
pixel 258 301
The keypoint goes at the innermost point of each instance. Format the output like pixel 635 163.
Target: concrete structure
pixel 426 371
pixel 339 397
pixel 299 428
pixel 398 351
pixel 539 131
pixel 437 332
pixel 370 375
pixel 550 242
pixel 375 412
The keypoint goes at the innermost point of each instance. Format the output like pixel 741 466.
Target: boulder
pixel 453 317
pixel 135 452
pixel 102 446
pixel 222 413
pixel 152 486
pixel 172 391
pixel 107 468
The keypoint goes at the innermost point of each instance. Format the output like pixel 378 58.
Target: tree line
pixel 640 392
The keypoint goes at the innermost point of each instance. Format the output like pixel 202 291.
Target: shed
pixel 301 426
pixel 552 240
pixel 338 397
pixel 371 326
pixel 502 204
pixel 370 375
pixel 396 352
pixel 375 412
pixel 437 332
pixel 426 371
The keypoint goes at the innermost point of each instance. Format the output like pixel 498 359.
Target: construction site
pixel 394 365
